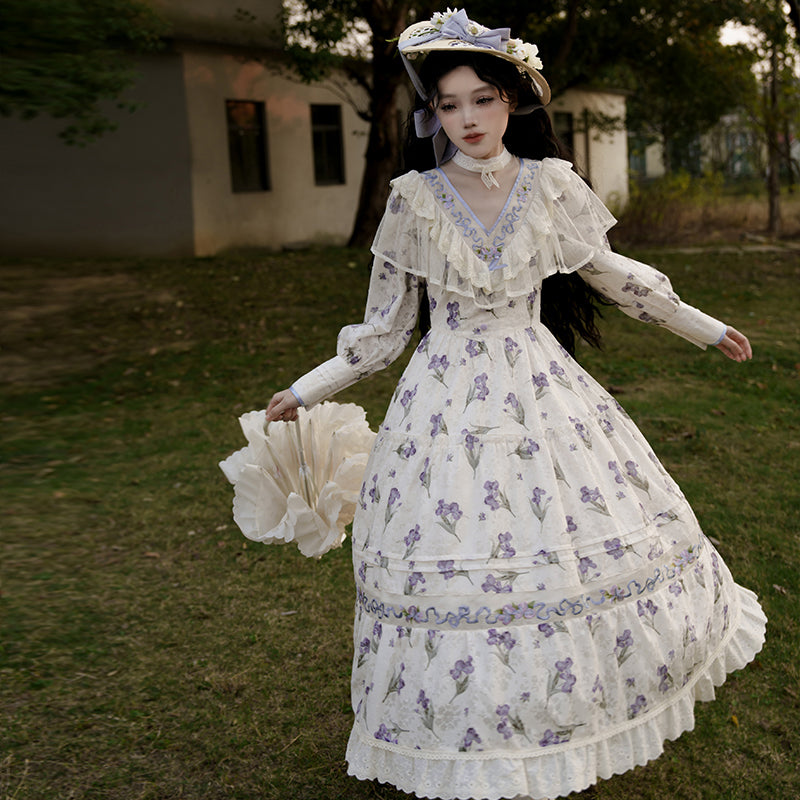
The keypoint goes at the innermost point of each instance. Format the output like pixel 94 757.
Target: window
pixel 564 127
pixel 247 146
pixel 326 132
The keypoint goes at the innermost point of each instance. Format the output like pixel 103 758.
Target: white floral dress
pixel 537 607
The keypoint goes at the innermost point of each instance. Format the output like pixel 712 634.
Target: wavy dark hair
pixel 570 307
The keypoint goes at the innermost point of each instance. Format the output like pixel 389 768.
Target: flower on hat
pixel 440 17
pixel 525 51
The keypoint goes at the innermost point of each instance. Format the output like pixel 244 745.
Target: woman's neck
pixel 486 167
pixel 485 203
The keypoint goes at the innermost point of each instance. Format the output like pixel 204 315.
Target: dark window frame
pixel 327 143
pixel 248 146
pixel 564 127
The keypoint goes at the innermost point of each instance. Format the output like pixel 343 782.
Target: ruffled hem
pixel 564 226
pixel 568 767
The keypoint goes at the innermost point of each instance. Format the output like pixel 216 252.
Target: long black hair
pixel 570 307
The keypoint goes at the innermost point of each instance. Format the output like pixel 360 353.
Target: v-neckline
pixel 488 245
pixel 467 206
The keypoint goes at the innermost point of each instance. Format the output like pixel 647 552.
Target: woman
pixel 537 605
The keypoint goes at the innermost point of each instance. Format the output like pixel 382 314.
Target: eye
pixel 484 101
pixel 445 107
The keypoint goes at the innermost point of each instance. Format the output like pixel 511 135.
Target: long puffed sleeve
pixel 389 322
pixel 644 293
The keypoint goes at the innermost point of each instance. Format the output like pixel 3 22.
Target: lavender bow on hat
pixel 457 29
pixel 426 126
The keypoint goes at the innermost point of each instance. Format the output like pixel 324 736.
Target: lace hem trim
pixel 572 766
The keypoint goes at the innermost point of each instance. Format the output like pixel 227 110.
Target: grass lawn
pixel 148 651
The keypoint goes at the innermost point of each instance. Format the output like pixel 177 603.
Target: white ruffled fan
pixel 299 481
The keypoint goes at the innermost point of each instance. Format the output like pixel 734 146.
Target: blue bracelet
pixel 300 399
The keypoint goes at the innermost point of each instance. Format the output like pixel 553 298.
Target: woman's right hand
pixel 283 406
pixel 735 345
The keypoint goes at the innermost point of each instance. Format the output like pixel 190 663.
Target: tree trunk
pixel 773 150
pixel 383 145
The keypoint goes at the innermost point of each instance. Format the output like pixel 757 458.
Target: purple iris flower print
pixel 594 499
pixel 526 449
pixel 384 734
pixel 392 504
pixel 495 498
pixel 510 723
pixel 460 674
pixel 453 315
pixel 503 548
pixel 470 737
pixel 491 584
pixel 637 479
pixel 438 365
pixel 438 426
pixel 425 710
pixel 515 408
pixel 559 374
pixel 448 570
pixel 411 539
pixel 512 351
pixel 479 390
pixel 425 476
pixel 638 706
pixel 414 580
pixel 552 738
pixel 624 646
pixel 540 383
pixel 647 611
pixel 571 526
pixel 665 681
pixel 614 548
pixel 448 515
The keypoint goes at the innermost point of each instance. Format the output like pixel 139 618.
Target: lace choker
pixel 486 166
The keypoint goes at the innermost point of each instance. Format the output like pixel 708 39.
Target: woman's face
pixel 472 113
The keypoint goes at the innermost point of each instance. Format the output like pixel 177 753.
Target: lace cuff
pixel 323 381
pixel 696 326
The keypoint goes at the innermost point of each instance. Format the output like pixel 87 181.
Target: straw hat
pixel 454 30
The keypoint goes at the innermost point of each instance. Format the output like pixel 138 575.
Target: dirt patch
pixel 54 325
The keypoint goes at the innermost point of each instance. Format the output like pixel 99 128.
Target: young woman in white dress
pixel 537 607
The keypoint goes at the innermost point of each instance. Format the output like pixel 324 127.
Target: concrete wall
pixel 294 210
pixel 127 193
pixel 603 156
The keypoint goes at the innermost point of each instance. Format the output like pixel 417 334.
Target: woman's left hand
pixel 735 345
pixel 282 406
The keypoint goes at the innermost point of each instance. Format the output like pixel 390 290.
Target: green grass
pixel 148 651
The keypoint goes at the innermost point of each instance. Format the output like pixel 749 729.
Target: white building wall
pixel 294 210
pixel 602 156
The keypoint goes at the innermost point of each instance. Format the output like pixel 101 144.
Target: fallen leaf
pixel 735 720
pixel 151 554
pixel 780 589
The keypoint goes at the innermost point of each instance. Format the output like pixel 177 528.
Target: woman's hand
pixel 735 345
pixel 283 406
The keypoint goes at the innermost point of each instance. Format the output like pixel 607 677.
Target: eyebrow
pixel 487 87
